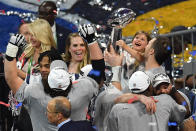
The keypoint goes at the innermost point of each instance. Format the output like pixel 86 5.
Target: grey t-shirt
pixel 36 100
pixel 154 71
pixel 103 105
pixel 133 117
pixel 80 96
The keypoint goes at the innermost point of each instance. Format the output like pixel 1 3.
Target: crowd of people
pixel 57 81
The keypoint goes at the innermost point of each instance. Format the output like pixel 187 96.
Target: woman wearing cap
pixel 40 40
pixel 83 54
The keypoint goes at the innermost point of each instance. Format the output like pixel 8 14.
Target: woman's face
pixel 140 42
pixel 34 41
pixel 77 49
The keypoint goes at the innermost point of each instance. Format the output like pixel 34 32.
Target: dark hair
pixel 60 92
pixel 143 32
pixel 62 108
pixel 51 54
pixel 162 49
pixel 48 4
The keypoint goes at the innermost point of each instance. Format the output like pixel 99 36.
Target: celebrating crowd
pixel 59 79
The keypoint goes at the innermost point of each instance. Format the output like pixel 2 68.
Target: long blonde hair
pixel 42 31
pixel 67 56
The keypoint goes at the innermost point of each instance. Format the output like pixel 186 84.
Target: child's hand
pixel 121 43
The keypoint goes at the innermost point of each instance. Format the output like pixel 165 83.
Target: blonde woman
pixel 76 53
pixel 40 40
pixel 83 55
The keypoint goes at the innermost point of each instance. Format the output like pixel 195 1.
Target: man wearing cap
pixel 133 117
pixel 36 95
pixel 58 113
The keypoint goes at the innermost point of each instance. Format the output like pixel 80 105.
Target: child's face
pixel 140 42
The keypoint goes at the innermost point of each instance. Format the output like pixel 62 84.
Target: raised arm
pixel 137 55
pixel 96 55
pixel 115 61
pixel 16 43
pixel 88 33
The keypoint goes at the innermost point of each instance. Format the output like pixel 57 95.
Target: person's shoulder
pixel 164 97
pixel 85 80
pixel 76 125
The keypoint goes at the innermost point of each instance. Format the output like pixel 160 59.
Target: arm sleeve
pixel 98 65
pixel 178 112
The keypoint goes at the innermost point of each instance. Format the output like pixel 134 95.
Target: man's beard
pixel 55 92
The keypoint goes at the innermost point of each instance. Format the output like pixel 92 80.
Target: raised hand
pixel 17 42
pixel 88 33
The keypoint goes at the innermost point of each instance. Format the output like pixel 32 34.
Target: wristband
pixel 132 100
pixel 92 42
pixel 116 73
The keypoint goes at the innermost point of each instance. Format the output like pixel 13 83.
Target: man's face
pixel 25 32
pixel 149 48
pixel 44 67
pixel 163 88
pixel 51 113
pixel 47 12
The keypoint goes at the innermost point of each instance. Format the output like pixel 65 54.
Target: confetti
pixel 19 105
pixel 168 48
pixel 184 103
pixel 193 53
pixel 157 22
pixel 94 72
pixel 193 116
pixel 141 12
pixel 172 124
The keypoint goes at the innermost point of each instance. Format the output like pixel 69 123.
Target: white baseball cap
pixel 160 78
pixel 58 77
pixel 139 82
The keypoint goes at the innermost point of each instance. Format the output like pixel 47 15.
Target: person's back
pixel 133 117
pixel 103 105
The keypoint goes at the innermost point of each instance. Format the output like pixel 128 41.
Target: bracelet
pixel 132 100
pixel 116 73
